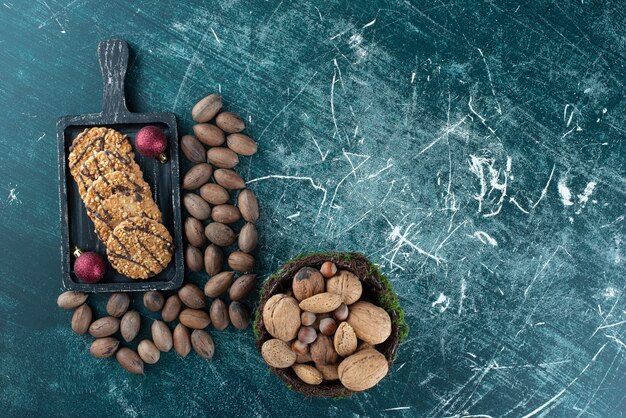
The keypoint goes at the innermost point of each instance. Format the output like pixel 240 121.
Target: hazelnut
pixel 299 347
pixel 328 326
pixel 341 313
pixel 307 335
pixel 308 318
pixel 329 269
pixel 307 282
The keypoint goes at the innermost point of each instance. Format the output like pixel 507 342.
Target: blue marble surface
pixel 474 150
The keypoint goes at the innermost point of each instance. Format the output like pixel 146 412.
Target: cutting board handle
pixel 113 57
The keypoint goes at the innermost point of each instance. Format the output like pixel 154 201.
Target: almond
pixel 209 134
pixel 196 206
pixel 214 194
pixel 192 296
pixel 229 179
pixel 148 352
pixel 213 259
pixel 129 325
pixel 371 323
pixel 222 157
pixel 194 232
pixel 230 122
pixel 307 282
pixel 226 214
pixel 182 341
pixel 218 284
pixel 240 261
pixel 345 340
pixel 194 318
pixel 321 303
pixel 202 343
pixel 207 108
pixel 193 149
pixel 162 336
pixel 277 353
pixel 241 144
pixel 104 327
pixel 239 316
pixel 104 347
pixel 171 308
pixel 308 374
pixel 219 314
pixel 248 205
pixel 71 300
pixel 197 176
pixel 363 370
pixel 242 286
pixel 248 238
pixel 129 360
pixel 347 285
pixel 281 317
pixel 220 234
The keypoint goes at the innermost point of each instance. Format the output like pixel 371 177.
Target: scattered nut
pixel 129 360
pixel 219 314
pixel 229 122
pixel 220 234
pixel 229 179
pixel 162 336
pixel 153 300
pixel 193 258
pixel 194 232
pixel 222 157
pixel 171 309
pixel 197 176
pixel 182 340
pixel 71 300
pixel 193 149
pixel 118 304
pixel 214 194
pixel 242 286
pixel 218 284
pixel 207 108
pixel 209 134
pixel 240 261
pixel 202 343
pixel 226 214
pixel 196 206
pixel 104 327
pixel 248 205
pixel 148 352
pixel 192 296
pixel 194 318
pixel 129 325
pixel 248 238
pixel 213 259
pixel 81 319
pixel 104 347
pixel 239 316
pixel 241 144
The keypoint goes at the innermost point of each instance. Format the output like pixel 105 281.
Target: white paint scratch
pixel 493 90
pixel 447 131
pixel 442 302
pixel 369 24
pixel 545 189
pixel 215 35
pixel 584 197
pixel 485 238
pixel 309 179
pixel 564 192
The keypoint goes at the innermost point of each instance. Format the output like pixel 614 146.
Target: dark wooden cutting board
pixel 77 229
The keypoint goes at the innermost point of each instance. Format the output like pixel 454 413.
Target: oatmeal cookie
pixel 94 140
pixel 140 248
pixel 100 164
pixel 116 182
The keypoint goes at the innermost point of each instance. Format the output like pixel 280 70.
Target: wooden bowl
pixel 376 289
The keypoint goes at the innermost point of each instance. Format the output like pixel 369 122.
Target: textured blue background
pixel 475 150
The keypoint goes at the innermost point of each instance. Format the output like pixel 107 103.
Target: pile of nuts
pixel 190 305
pixel 324 330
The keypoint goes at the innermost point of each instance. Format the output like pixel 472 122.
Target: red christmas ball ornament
pixel 151 142
pixel 89 267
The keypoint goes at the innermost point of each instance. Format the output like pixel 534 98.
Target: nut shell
pixel 153 300
pixel 248 238
pixel 230 122
pixel 196 206
pixel 207 108
pixel 148 352
pixel 226 214
pixel 371 323
pixel 194 232
pixel 229 179
pixel 104 347
pixel 182 340
pixel 363 370
pixel 347 285
pixel 222 157
pixel 129 325
pixel 219 284
pixel 198 175
pixel 308 374
pixel 242 286
pixel 345 340
pixel 203 344
pixel 192 296
pixel 323 352
pixel 239 316
pixel 307 282
pixel 104 327
pixel 71 300
pixel 192 149
pixel 171 308
pixel 213 259
pixel 328 269
pixel 277 353
pixel 219 314
pixel 193 258
pixel 281 317
pixel 329 371
pixel 220 234
pixel 81 319
pixel 248 205
pixel 321 303
pixel 240 261
pixel 214 194
pixel 209 134
pixel 241 144
pixel 194 318
pixel 117 304
pixel 162 336
pixel 129 360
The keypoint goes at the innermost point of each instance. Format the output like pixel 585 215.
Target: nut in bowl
pixel 329 324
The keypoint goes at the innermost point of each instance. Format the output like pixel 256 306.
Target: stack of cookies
pixel 119 202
